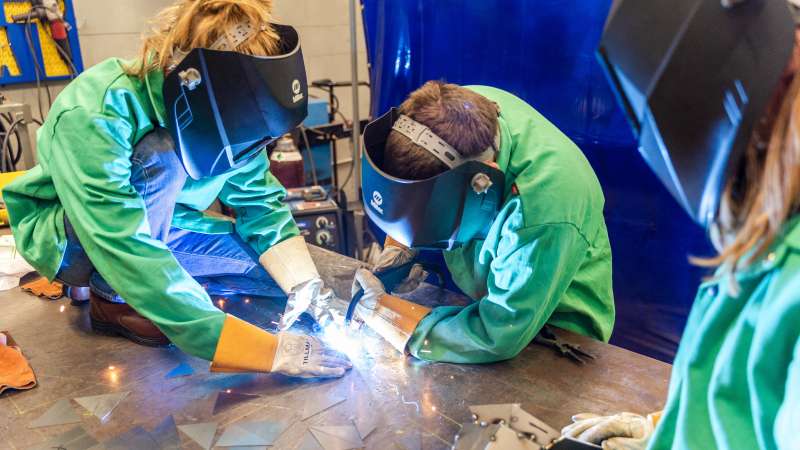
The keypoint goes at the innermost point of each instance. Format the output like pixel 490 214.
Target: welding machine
pixel 318 217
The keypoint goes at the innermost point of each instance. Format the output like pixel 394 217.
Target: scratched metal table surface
pixel 418 405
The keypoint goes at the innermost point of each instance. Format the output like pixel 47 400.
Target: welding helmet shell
pixel 224 107
pixel 694 78
pixel 441 212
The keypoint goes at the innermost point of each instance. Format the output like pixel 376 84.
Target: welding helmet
pixel 441 212
pixel 224 107
pixel 694 77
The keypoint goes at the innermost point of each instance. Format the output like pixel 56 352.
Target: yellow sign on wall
pixel 54 65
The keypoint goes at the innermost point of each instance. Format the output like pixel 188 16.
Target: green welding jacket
pixel 84 155
pixel 736 378
pixel 546 258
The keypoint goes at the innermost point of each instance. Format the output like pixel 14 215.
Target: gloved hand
pixel 391 317
pixel 319 301
pixel 306 357
pixel 624 431
pixel 373 288
pixel 395 254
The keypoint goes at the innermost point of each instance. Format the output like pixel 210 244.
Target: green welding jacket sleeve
pixel 110 220
pixel 789 413
pixel 262 219
pixel 531 270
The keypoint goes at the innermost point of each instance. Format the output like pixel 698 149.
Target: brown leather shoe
pixel 120 319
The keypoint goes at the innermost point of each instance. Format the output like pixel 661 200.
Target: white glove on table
pixel 306 357
pixel 624 431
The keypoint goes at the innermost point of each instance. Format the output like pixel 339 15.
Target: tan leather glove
pixel 395 254
pixel 394 318
pixel 623 431
pixel 15 372
pixel 244 347
pixel 316 299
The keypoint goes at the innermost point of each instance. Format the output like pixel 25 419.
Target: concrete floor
pixel 417 405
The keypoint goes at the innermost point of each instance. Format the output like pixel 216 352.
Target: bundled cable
pixel 9 156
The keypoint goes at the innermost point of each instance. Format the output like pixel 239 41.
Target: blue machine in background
pixel 317 115
pixel 544 52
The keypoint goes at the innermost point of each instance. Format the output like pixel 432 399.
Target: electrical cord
pixel 36 67
pixel 9 161
pixel 352 168
pixel 310 155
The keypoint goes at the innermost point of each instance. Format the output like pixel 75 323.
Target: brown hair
pixel 189 24
pixel 463 118
pixel 764 192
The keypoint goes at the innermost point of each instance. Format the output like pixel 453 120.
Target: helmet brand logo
pixel 377 201
pixel 297 91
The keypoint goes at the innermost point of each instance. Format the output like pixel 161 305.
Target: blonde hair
pixel 765 193
pixel 189 24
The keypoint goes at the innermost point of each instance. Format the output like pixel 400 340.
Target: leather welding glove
pixel 307 357
pixel 624 431
pixel 391 317
pixel 287 353
pixel 289 263
pixel 15 372
pixel 319 301
pixel 395 254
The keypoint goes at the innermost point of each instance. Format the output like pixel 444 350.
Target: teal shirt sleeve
pixel 109 218
pixel 262 218
pixel 530 272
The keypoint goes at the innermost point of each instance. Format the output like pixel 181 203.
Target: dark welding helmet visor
pixel 441 212
pixel 694 77
pixel 224 107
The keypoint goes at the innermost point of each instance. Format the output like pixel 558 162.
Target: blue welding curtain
pixel 543 51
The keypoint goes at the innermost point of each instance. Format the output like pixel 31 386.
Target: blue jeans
pixel 223 263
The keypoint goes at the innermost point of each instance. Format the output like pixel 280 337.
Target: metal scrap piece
pixel 517 419
pixel 182 370
pixel 497 436
pixel 201 433
pixel 366 425
pixel 227 399
pixel 101 405
pixel 251 434
pixel 137 438
pixel 343 437
pixel 60 413
pixel 73 439
pixel 166 435
pixel 315 405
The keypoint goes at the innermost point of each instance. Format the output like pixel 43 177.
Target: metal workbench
pixel 418 405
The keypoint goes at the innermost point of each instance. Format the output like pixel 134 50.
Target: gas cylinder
pixel 286 163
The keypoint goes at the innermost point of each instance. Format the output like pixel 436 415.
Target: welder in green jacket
pixel 718 119
pixel 516 206
pixel 114 154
